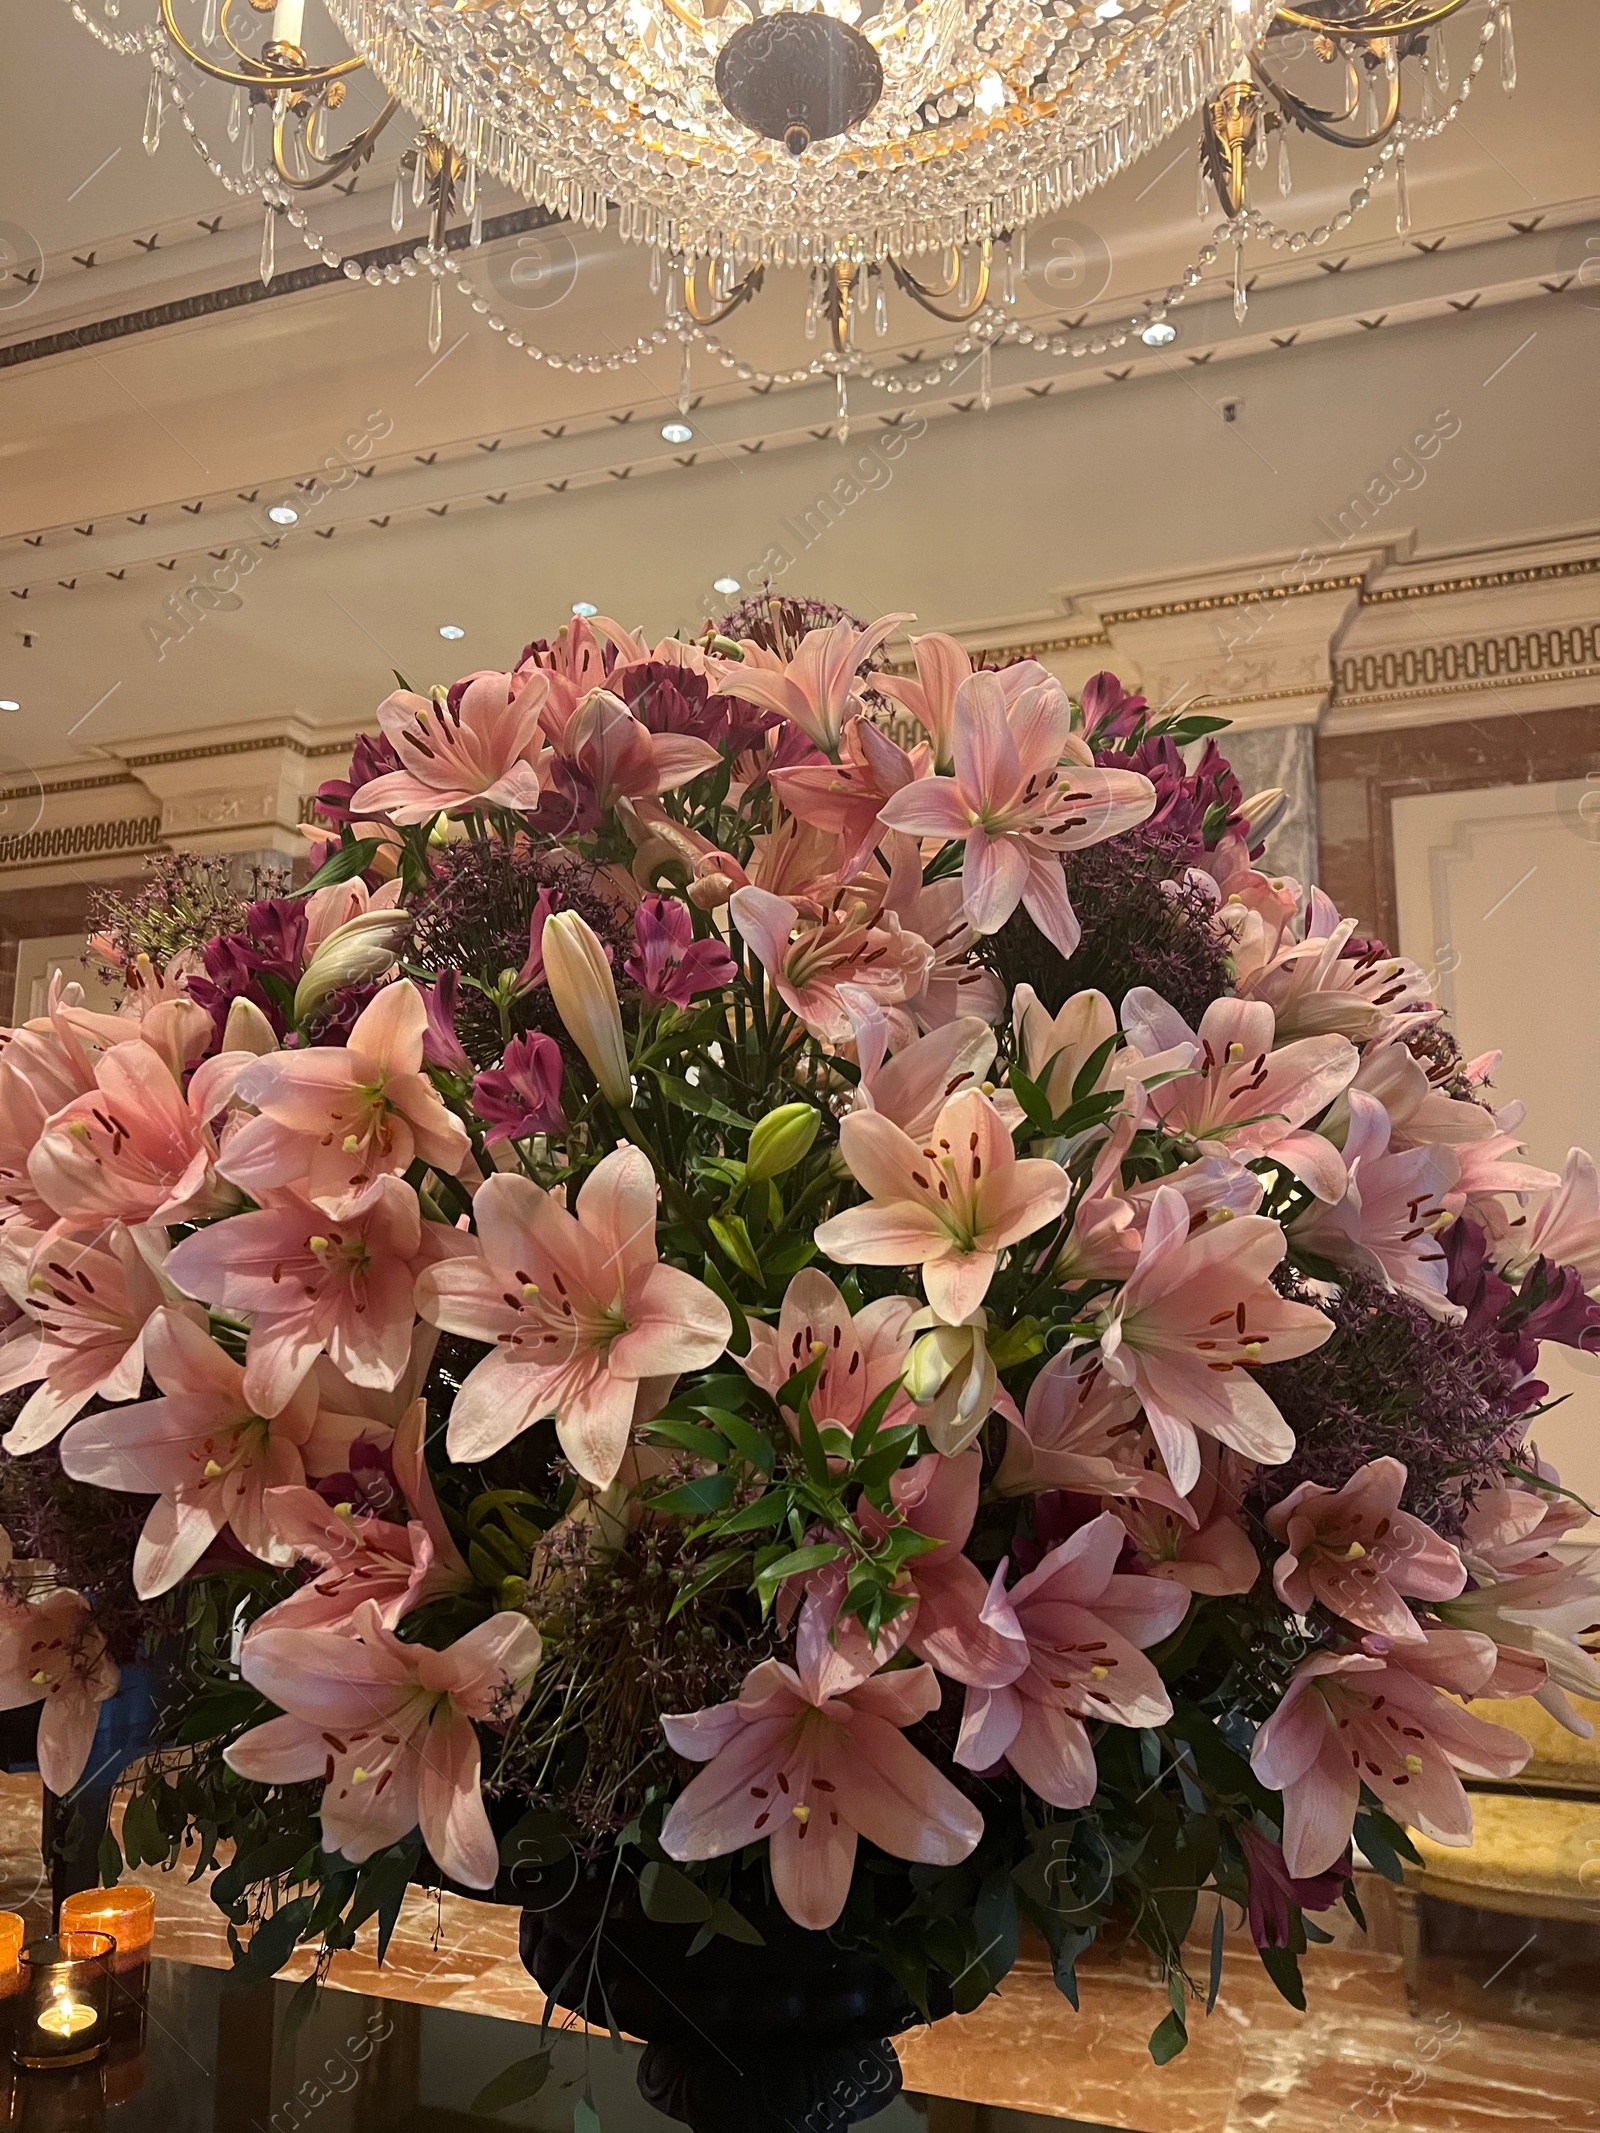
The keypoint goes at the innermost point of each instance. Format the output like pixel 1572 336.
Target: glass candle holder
pixel 62 2015
pixel 128 1915
pixel 13 1932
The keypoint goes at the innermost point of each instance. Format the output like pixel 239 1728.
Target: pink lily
pixel 1509 1533
pixel 334 1117
pixel 1055 1049
pixel 942 666
pixel 483 750
pixel 309 1281
pixel 579 1309
pixel 914 1086
pixel 619 758
pixel 87 1307
pixel 1241 1095
pixel 945 1623
pixel 52 1654
pixel 668 964
pixel 956 983
pixel 816 691
pixel 132 1151
pixel 1196 1315
pixel 1082 1431
pixel 361 1557
pixel 1565 1227
pixel 1202 1545
pixel 39 1074
pixel 1357 1552
pixel 844 797
pixel 391 1729
pixel 1376 1717
pixel 1079 1632
pixel 1391 1213
pixel 1025 792
pixel 808 962
pixel 1312 985
pixel 862 1352
pixel 202 1451
pixel 1489 1167
pixel 950 1205
pixel 812 1756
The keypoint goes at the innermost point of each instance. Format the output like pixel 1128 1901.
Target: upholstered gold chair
pixel 1535 1847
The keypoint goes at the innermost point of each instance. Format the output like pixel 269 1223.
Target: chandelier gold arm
pixel 1327 124
pixel 717 310
pixel 324 168
pixel 1387 18
pixel 292 72
pixel 934 301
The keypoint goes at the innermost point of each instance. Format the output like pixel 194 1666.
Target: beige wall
pixel 1499 895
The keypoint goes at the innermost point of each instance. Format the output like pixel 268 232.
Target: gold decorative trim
pixel 1264 696
pixel 1040 648
pixel 1560 652
pixel 1207 603
pixel 259 746
pixel 1464 688
pixel 1485 581
pixel 34 792
pixel 126 839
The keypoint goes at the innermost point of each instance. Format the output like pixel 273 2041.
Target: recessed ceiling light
pixel 725 585
pixel 676 432
pixel 1158 334
pixel 282 514
pixel 9 703
pixel 452 630
pixel 584 607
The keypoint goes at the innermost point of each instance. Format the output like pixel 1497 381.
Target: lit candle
pixel 288 22
pixel 63 2013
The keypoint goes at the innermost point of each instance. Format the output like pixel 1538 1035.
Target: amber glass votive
pixel 13 1932
pixel 128 1915
pixel 62 2015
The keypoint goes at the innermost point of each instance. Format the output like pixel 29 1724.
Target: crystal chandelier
pixel 868 143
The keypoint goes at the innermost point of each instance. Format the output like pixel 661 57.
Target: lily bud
pixel 952 1379
pixel 585 994
pixel 248 1030
pixel 1262 813
pixel 362 949
pixel 780 1140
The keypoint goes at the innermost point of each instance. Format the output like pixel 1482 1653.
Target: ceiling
pixel 139 446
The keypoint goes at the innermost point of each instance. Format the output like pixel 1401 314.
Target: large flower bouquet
pixel 797 1280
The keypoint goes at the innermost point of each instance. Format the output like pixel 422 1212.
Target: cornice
pixel 1207 603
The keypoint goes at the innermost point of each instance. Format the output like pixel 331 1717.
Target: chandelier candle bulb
pixel 288 23
pixel 63 2013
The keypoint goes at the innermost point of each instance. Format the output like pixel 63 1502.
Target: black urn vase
pixel 789 2037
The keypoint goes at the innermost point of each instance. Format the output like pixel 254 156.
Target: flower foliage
pixel 875 1325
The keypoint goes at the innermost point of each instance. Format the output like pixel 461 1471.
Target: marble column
pixel 1264 756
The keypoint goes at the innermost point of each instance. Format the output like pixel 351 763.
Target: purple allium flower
pixel 668 964
pixel 523 1094
pixel 1273 1889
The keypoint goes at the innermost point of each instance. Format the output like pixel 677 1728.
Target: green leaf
pixel 671 1897
pixel 275 1939
pixel 268 1862
pixel 714 1567
pixel 712 1492
pixel 1218 1933
pixel 1282 1965
pixel 768 1510
pixel 731 1234
pixel 110 1861
pixel 585 2118
pixel 797 1561
pixel 689 1437
pixel 514 2084
pixel 715 1279
pixel 733 1925
pixel 1018 1344
pixel 1385 1844
pixel 344 865
pixel 687 1097
pixel 752 1445
pixel 301 2001
pixel 1168 2039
